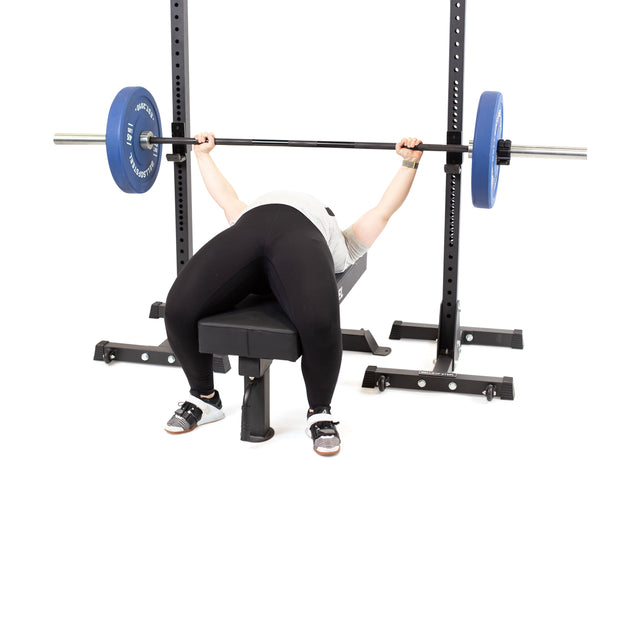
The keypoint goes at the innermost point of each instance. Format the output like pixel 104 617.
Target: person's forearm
pixel 217 185
pixel 372 224
pixel 396 193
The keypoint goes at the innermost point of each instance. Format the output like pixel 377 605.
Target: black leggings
pixel 271 248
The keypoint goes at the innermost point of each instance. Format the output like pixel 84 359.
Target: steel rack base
pixel 468 335
pixel 442 377
pixel 145 354
pixel 449 382
pixel 162 354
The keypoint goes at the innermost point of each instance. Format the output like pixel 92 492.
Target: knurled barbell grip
pixel 326 144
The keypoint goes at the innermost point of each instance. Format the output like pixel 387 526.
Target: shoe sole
pixel 179 433
pixel 195 426
pixel 327 453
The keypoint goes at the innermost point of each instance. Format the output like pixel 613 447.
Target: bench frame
pixel 258 332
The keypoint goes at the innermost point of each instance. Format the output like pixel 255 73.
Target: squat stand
pixel 448 333
pixel 162 354
pixel 353 340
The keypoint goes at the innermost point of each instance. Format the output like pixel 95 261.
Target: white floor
pixel 444 516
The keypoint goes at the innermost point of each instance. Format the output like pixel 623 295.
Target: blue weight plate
pixel 132 112
pixel 485 169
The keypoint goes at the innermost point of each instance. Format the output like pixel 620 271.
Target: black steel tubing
pixel 327 144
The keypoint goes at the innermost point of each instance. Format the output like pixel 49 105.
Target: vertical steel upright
pixel 163 354
pixel 448 333
pixel 180 129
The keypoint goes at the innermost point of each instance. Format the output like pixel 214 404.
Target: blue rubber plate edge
pixel 485 170
pixel 133 111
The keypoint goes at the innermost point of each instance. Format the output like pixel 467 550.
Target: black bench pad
pixel 259 328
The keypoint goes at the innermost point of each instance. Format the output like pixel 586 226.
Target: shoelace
pixel 321 430
pixel 190 410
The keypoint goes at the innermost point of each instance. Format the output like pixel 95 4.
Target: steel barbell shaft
pixel 579 153
pixel 325 144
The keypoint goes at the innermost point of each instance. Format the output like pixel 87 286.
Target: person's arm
pixel 217 185
pixel 368 227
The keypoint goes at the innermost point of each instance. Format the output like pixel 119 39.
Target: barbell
pixel 134 144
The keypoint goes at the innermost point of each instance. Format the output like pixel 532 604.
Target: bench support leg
pixel 255 424
pixel 362 340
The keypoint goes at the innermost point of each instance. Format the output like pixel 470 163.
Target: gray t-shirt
pixel 344 246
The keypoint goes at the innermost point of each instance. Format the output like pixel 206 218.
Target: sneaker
pixel 195 412
pixel 321 427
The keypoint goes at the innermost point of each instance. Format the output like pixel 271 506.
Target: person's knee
pixel 176 313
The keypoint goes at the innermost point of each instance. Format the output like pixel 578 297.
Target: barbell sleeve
pixel 565 153
pixel 561 153
pixel 79 138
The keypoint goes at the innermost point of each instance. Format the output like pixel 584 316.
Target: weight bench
pixel 258 332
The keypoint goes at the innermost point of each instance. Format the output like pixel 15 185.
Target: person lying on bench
pixel 284 243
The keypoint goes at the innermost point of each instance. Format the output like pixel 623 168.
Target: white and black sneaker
pixel 195 412
pixel 321 427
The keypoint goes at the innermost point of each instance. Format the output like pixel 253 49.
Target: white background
pixel 444 516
